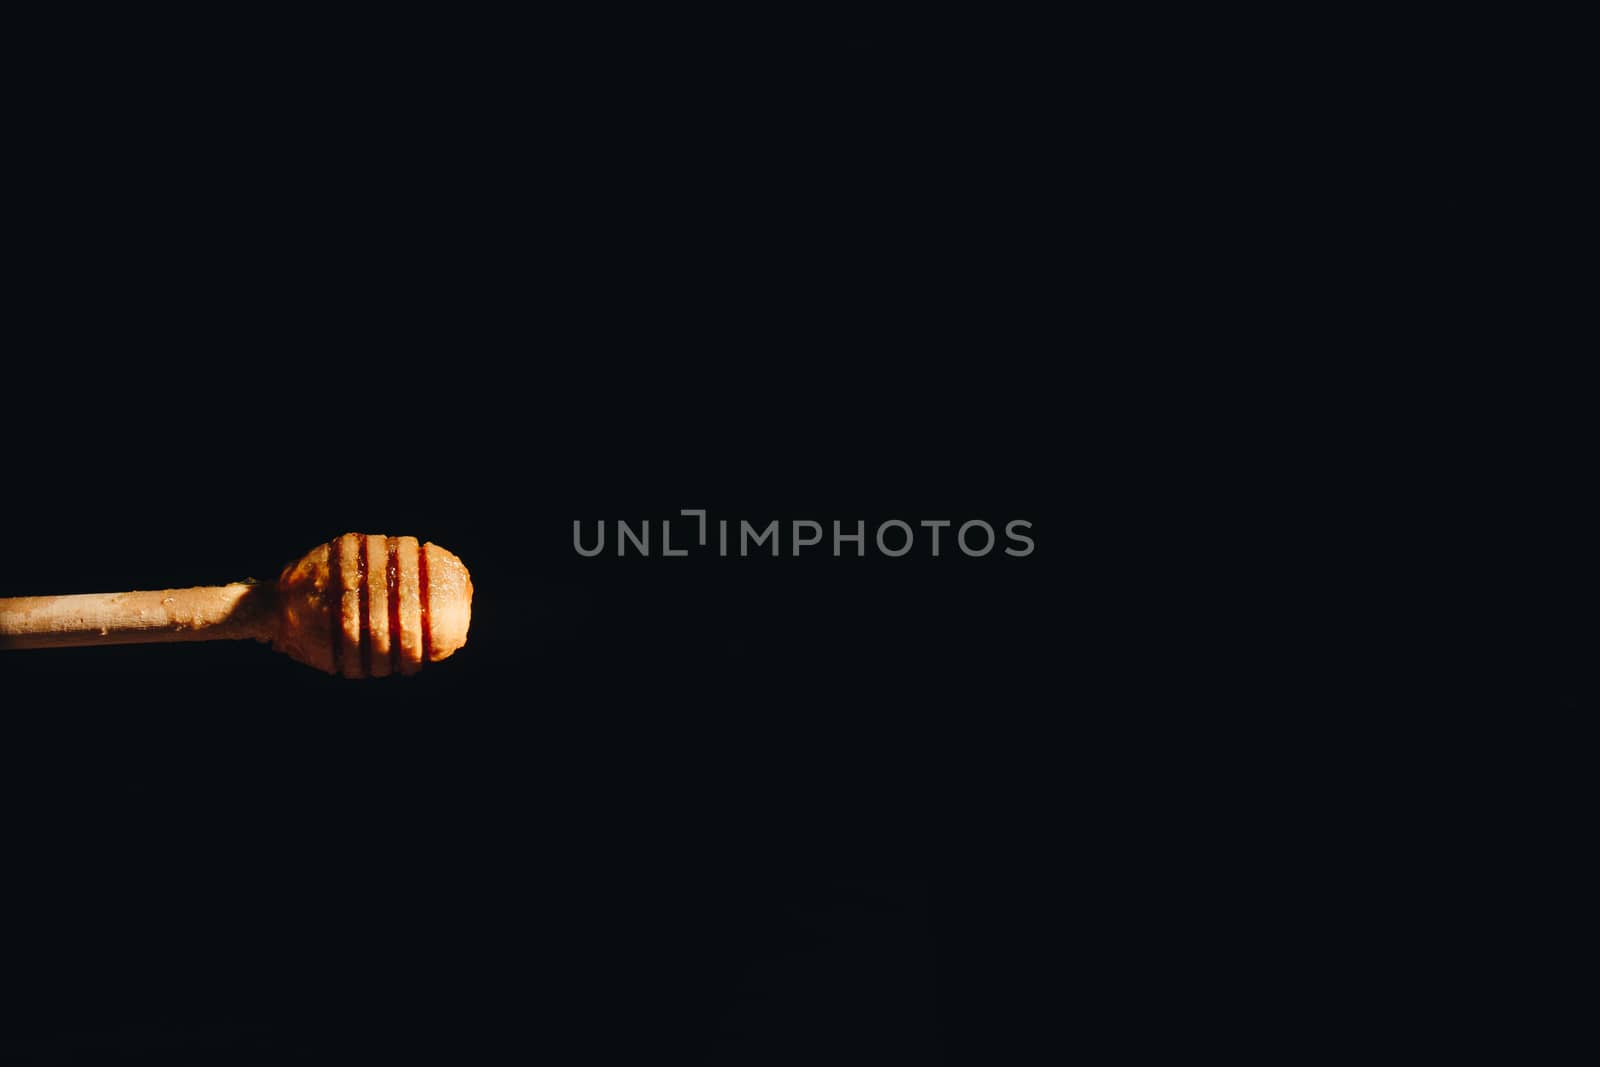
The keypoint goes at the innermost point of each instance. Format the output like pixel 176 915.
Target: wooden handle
pixel 204 613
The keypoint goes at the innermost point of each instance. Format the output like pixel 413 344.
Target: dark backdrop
pixel 697 809
pixel 1165 782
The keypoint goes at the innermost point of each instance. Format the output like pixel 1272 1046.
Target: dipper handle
pixel 204 613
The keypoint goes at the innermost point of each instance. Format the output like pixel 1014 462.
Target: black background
pixel 474 288
pixel 1179 293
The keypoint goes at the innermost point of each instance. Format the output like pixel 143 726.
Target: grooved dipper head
pixel 366 606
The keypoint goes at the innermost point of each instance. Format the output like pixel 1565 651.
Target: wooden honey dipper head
pixel 367 606
pixel 361 606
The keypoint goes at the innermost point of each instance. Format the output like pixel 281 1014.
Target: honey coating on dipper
pixel 368 605
pixel 304 630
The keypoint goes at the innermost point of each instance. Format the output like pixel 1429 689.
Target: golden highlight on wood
pixel 361 606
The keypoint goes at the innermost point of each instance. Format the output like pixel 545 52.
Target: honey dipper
pixel 362 605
